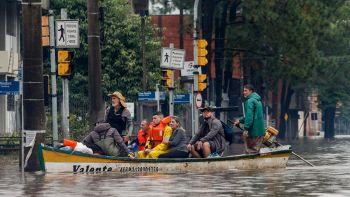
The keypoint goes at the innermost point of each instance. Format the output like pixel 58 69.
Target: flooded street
pixel 330 177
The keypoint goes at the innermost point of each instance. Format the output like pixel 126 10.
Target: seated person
pixel 159 135
pixel 209 138
pixel 106 140
pixel 143 135
pixel 177 141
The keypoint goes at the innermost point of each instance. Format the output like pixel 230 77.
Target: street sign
pixel 172 58
pixel 9 87
pixel 150 96
pixel 131 108
pixel 181 98
pixel 199 100
pixel 67 34
pixel 188 69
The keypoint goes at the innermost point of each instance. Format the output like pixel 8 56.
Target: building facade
pixel 9 63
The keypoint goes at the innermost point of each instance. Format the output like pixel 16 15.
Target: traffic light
pixel 202 52
pixel 201 84
pixel 45 31
pixel 64 67
pixel 167 78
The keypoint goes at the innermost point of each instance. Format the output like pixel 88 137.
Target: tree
pixel 285 33
pixel 121 68
pixel 330 75
pixel 120 53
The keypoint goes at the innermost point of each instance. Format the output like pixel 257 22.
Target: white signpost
pixel 188 69
pixel 172 58
pixel 67 34
pixel 131 108
pixel 199 100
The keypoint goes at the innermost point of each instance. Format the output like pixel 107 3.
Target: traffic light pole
pixel 53 77
pixel 171 89
pixel 65 91
pixel 195 120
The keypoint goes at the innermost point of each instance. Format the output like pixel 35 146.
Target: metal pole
pixel 144 68
pixel 65 89
pixel 195 59
pixel 158 97
pixel 53 77
pixel 22 130
pixel 193 110
pixel 171 89
pixel 267 116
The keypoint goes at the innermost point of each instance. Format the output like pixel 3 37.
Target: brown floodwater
pixel 330 177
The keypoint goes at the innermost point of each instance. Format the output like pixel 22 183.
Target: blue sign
pixel 9 87
pixel 150 96
pixel 181 98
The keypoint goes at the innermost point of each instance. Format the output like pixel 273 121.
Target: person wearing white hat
pixel 118 116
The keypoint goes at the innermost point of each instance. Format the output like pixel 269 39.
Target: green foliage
pixel 285 29
pixel 79 127
pixel 330 76
pixel 120 54
pixel 120 51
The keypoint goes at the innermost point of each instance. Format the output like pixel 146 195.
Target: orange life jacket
pixel 157 132
pixel 142 139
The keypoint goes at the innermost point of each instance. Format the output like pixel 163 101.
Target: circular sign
pixel 199 100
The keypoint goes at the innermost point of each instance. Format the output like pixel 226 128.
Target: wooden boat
pixel 52 160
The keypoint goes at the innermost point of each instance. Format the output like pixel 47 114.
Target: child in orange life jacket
pixel 159 135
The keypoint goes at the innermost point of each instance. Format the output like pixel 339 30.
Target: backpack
pixel 228 131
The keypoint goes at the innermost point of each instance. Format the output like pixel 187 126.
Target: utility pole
pixel 94 61
pixel 33 86
pixel 53 77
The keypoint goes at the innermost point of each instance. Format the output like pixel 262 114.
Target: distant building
pixel 9 62
pixel 170 24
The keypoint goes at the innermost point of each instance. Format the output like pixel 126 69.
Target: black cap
pixel 206 108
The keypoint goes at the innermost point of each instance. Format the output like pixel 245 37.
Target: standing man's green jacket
pixel 254 118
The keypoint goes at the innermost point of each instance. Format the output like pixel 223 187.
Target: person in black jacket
pixel 209 138
pixel 177 141
pixel 118 116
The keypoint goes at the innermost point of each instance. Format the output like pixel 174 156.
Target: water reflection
pixel 330 177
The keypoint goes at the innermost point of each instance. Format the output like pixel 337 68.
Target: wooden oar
pixel 298 156
pixel 278 145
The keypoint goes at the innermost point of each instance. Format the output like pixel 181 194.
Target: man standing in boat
pixel 209 138
pixel 253 120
